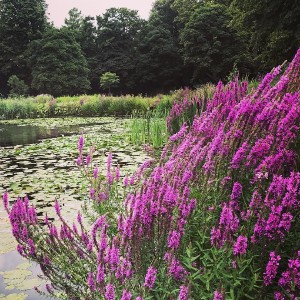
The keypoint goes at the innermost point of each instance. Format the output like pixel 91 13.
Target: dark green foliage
pixel 116 45
pixel 17 86
pixel 160 65
pixel 210 46
pixel 21 22
pixel 59 66
pixel 271 29
pixel 184 43
pixel 85 31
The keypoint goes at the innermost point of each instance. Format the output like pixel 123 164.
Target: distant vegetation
pixel 184 43
pixel 76 106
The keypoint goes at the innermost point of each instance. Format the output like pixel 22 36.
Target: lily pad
pixel 21 296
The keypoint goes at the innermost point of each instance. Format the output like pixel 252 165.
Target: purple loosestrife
pixel 228 225
pixel 247 142
pixel 271 269
pixel 236 195
pixel 290 279
pixel 174 239
pixel 109 292
pixel 88 159
pixel 96 172
pixel 5 200
pixel 239 156
pixel 150 277
pixel 176 270
pixel 218 295
pixel 80 144
pixel 91 282
pixel 100 277
pixel 279 296
pixel 126 295
pixel 57 207
pixel 240 247
pixel 183 293
pixel 180 134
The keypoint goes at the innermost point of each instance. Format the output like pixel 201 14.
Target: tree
pixel 210 46
pixel 85 34
pixel 270 28
pixel 109 80
pixel 17 86
pixel 117 33
pixel 160 66
pixel 59 67
pixel 75 20
pixel 21 22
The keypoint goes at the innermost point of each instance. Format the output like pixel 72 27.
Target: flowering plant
pixel 216 218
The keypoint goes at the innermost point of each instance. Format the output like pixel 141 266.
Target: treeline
pixel 184 43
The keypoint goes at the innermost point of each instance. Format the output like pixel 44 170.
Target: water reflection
pixel 12 135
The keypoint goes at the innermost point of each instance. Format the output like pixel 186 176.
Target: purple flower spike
pixel 5 200
pixel 57 208
pixel 80 144
pixel 150 277
pixel 79 218
pixel 125 181
pixel 184 293
pixel 174 239
pixel 271 269
pixel 91 282
pixel 88 159
pixel 218 295
pixel 126 295
pixel 96 172
pixel 240 247
pixel 110 292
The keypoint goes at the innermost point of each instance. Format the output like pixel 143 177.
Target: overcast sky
pixel 58 9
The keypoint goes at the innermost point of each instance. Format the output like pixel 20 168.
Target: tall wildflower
pixel 234 168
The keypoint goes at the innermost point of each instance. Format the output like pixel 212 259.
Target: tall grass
pixel 150 129
pixel 87 106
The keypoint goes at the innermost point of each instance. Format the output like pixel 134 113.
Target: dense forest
pixel 184 43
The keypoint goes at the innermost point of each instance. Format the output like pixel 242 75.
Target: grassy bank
pixel 78 106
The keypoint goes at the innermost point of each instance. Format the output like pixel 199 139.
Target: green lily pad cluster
pixel 46 171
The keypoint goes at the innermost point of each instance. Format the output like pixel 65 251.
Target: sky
pixel 58 9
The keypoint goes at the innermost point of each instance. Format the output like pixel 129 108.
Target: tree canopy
pixel 183 43
pixel 59 66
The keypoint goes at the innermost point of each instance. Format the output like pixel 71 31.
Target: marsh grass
pixel 149 129
pixel 77 106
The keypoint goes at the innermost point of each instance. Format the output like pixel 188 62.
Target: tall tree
pixel 118 29
pixel 210 46
pixel 160 66
pixel 74 21
pixel 21 22
pixel 270 27
pixel 84 31
pixel 59 67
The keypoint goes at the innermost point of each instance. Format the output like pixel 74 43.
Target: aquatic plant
pixel 150 129
pixel 216 218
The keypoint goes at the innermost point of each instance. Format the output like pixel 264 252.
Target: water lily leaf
pixel 14 297
pixel 29 284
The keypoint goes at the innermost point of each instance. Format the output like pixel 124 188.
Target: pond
pixel 37 158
